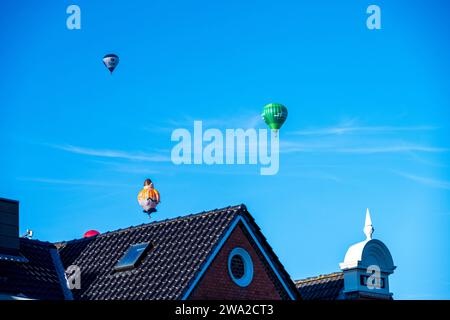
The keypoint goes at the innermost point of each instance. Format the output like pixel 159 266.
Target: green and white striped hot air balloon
pixel 274 115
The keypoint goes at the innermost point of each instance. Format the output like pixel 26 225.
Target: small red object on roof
pixel 91 233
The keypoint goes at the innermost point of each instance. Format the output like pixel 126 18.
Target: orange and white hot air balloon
pixel 149 197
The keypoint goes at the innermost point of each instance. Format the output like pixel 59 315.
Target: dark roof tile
pixel 180 248
pixel 324 287
pixel 181 245
pixel 36 279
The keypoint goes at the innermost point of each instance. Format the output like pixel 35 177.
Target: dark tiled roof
pixel 324 287
pixel 36 279
pixel 181 246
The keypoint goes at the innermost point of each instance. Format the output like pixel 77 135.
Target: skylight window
pixel 133 256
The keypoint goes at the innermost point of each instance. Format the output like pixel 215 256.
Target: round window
pixel 240 267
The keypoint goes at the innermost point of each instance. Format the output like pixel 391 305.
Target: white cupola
pixel 367 266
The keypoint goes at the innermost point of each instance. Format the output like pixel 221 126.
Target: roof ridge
pixel 168 220
pixel 9 200
pixel 320 277
pixel 36 241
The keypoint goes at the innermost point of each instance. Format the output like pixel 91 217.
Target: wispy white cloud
pixel 129 168
pixel 335 147
pixel 159 129
pixel 71 182
pixel 435 183
pixel 106 153
pixel 349 129
pixel 426 161
pixel 350 137
pixel 244 121
pixel 311 174
pixel 391 149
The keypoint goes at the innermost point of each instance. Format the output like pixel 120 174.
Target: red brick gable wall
pixel 217 284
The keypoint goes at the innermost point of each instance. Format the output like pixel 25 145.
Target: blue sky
pixel 368 122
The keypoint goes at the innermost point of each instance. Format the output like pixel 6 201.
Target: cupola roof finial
pixel 368 227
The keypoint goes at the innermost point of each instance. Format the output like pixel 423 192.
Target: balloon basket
pixel 275 133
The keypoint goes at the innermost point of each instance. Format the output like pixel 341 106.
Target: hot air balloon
pixel 149 197
pixel 111 61
pixel 90 233
pixel 274 114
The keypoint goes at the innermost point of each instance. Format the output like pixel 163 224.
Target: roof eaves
pixel 262 239
pixel 154 223
pixel 192 283
pixel 337 275
pixel 61 274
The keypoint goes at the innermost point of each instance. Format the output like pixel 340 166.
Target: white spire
pixel 368 227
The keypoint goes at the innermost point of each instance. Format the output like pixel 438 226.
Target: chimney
pixel 9 227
